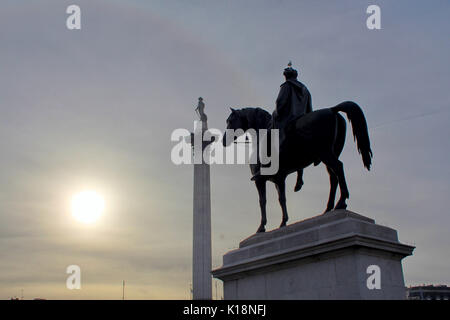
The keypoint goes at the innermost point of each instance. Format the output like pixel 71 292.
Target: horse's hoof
pixel 261 229
pixel 342 206
pixel 283 224
pixel 298 187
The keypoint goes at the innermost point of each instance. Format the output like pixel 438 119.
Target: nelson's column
pixel 201 251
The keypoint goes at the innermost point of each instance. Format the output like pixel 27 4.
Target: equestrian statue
pixel 305 137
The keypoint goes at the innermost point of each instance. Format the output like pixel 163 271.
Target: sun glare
pixel 87 206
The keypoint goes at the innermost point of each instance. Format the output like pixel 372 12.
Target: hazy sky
pixel 94 109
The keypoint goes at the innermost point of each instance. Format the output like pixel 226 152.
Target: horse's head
pixel 235 122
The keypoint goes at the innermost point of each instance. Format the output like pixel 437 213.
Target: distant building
pixel 429 292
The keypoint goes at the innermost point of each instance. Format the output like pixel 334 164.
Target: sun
pixel 87 206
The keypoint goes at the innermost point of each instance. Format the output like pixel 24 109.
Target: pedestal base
pixel 325 257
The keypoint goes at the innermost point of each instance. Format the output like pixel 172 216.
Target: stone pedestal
pixel 325 257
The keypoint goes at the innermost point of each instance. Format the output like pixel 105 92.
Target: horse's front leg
pixel 281 188
pixel 299 183
pixel 261 186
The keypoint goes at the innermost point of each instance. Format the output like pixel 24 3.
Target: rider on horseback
pixel 293 101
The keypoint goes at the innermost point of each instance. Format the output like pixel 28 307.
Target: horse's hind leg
pixel 281 188
pixel 337 149
pixel 332 162
pixel 333 187
pixel 261 186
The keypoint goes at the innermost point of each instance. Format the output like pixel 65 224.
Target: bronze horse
pixel 316 137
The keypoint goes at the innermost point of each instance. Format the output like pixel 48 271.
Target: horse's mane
pixel 257 114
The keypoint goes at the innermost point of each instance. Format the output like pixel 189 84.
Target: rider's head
pixel 290 73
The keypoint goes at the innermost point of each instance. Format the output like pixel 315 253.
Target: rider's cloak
pixel 294 100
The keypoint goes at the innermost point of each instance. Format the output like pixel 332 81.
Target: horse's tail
pixel 359 125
